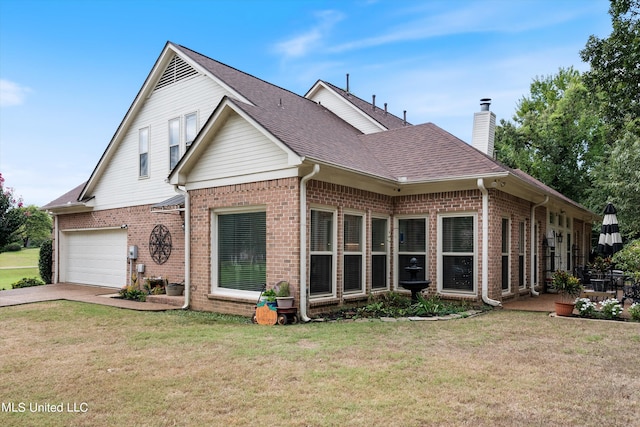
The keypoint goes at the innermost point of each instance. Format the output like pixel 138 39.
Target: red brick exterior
pixel 140 222
pixel 280 199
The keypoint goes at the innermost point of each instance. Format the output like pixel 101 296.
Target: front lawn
pixel 17 265
pixel 503 368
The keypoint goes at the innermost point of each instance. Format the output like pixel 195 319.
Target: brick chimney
pixel 484 128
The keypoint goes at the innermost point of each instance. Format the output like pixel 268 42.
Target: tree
pixel 36 227
pixel 11 217
pixel 617 180
pixel 556 136
pixel 614 66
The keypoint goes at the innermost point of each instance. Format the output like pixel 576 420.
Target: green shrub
pixel 135 294
pixel 12 247
pixel 634 310
pixel 27 283
pixel 46 260
pixel 628 259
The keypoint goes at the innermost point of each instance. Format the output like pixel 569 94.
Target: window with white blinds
pixel 457 253
pixel 242 250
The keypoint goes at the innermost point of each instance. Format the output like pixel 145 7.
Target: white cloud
pixel 12 93
pixel 303 43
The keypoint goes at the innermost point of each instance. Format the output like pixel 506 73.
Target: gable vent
pixel 176 70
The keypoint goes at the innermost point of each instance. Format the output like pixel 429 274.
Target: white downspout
pixel 533 245
pixel 485 246
pixel 187 246
pixel 56 228
pixel 303 242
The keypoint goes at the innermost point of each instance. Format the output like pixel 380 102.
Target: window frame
pixel 399 269
pixel 215 287
pixel 505 254
pixel 188 143
pixel 174 144
pixel 333 252
pixel 362 252
pixel 441 254
pixel 147 132
pixel 385 252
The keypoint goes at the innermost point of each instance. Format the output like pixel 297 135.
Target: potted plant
pixel 270 296
pixel 568 288
pixel 283 297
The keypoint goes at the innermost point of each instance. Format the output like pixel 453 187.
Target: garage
pixel 94 257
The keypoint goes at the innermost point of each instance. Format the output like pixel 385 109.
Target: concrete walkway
pixel 542 302
pixel 74 292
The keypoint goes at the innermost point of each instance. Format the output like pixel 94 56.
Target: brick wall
pixel 140 222
pixel 281 199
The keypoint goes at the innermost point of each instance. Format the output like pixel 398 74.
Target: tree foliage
pixel 11 217
pixel 36 227
pixel 617 180
pixel 556 135
pixel 614 66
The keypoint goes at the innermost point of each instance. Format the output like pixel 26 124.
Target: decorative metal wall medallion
pixel 160 244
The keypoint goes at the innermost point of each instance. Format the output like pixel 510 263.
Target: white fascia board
pixel 320 85
pixel 243 179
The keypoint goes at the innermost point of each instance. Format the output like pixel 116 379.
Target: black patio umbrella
pixel 610 240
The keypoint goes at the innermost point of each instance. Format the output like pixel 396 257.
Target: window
pixel 174 142
pixel 412 243
pixel 505 255
pixel 457 252
pixel 143 152
pixel 322 253
pixel 190 128
pixel 353 255
pixel 379 253
pixel 242 254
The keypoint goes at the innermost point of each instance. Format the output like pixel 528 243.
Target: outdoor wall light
pixel 124 226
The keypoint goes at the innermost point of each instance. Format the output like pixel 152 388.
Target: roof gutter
pixel 485 246
pixel 303 242
pixel 533 244
pixel 187 246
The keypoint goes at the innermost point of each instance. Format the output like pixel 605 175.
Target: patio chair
pixel 583 275
pixel 631 292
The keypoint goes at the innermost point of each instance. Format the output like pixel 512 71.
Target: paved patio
pixel 82 293
pixel 542 302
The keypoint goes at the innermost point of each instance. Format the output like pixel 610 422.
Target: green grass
pixel 24 258
pixel 502 368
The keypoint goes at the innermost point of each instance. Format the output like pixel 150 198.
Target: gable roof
pixel 377 114
pixel 403 153
pixel 68 199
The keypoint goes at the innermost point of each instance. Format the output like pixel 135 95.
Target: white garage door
pixel 95 257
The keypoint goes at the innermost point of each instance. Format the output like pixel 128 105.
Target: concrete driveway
pixel 75 292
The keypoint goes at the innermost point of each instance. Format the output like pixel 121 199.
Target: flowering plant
pixel 567 285
pixel 585 307
pixel 610 308
pixel 634 311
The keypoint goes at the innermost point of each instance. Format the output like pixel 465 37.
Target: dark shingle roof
pixel 426 152
pixel 67 199
pixel 386 119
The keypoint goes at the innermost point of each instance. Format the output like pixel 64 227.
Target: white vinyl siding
pixel 348 112
pixel 237 149
pixel 118 186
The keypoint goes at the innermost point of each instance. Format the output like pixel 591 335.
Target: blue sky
pixel 70 69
